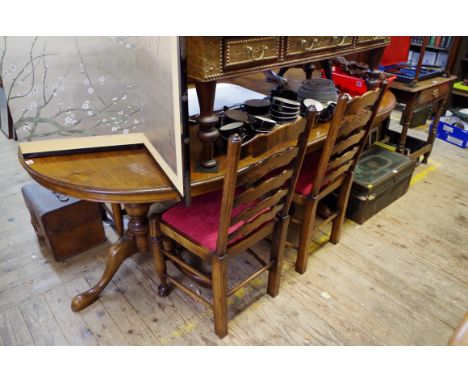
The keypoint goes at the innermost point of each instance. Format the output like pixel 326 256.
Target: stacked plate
pixel 320 89
pixel 284 110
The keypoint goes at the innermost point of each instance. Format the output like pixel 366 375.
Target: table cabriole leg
pixel 135 240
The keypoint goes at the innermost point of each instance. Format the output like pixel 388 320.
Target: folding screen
pixel 84 93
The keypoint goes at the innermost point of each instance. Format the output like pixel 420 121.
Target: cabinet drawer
pixel 302 45
pixel 361 40
pixel 431 94
pixel 238 52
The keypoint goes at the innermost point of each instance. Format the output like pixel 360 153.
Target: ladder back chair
pixel 253 204
pixel 333 169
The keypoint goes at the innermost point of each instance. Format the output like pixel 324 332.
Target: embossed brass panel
pixel 213 58
pixel 241 51
pixel 301 45
pixel 370 39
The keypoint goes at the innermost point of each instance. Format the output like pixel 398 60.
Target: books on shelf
pixel 434 41
pixel 432 58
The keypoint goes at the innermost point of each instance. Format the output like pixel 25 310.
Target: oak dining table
pixel 131 177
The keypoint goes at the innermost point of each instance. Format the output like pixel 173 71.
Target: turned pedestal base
pixel 134 241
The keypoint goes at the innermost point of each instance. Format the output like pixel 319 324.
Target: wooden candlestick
pixel 207 121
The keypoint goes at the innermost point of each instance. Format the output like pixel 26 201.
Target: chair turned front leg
pixel 158 256
pixel 277 255
pixel 219 279
pixel 305 238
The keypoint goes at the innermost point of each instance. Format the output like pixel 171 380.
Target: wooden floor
pixel 399 279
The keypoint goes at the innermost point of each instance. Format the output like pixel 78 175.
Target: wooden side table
pixel 431 91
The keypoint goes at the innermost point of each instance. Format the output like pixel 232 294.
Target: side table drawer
pixel 431 94
pixel 239 52
pixel 361 40
pixel 302 45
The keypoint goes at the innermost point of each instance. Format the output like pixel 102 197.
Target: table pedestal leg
pixel 135 240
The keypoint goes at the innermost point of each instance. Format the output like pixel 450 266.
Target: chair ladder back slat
pixel 326 189
pixel 337 172
pixel 352 122
pixel 269 185
pixel 368 99
pixel 280 135
pixel 342 159
pixel 260 169
pixel 348 142
pixel 263 205
pixel 255 223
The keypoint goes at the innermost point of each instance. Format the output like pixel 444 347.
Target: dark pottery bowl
pixel 283 120
pixel 283 115
pixel 283 109
pixel 257 106
pixel 235 115
pixel 261 124
pixel 226 131
pixel 286 102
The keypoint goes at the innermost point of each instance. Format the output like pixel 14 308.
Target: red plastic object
pixel 352 85
pixel 397 51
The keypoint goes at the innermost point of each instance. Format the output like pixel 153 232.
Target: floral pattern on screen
pixel 70 86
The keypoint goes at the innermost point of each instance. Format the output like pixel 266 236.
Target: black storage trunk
pixel 381 177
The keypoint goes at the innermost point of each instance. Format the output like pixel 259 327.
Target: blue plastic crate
pixel 452 134
pixel 406 73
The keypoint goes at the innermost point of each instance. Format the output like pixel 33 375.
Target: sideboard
pixel 210 59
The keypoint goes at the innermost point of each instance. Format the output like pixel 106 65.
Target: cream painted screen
pixel 68 93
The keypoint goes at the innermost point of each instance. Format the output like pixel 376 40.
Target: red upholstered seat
pixel 200 221
pixel 308 171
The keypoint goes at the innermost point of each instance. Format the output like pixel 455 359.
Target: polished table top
pixel 131 175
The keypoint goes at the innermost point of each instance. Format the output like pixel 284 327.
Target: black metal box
pixel 381 177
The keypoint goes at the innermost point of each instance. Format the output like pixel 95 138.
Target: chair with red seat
pixel 332 170
pixel 253 205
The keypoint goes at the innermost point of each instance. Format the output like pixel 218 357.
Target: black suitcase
pixel 381 176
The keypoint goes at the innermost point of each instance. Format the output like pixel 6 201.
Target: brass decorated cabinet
pixel 215 58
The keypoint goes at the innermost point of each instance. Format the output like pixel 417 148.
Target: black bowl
pixel 257 106
pixel 235 115
pixel 283 109
pixel 283 120
pixel 280 101
pixel 284 114
pixel 226 131
pixel 261 124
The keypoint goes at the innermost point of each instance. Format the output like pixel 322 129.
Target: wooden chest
pixel 68 226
